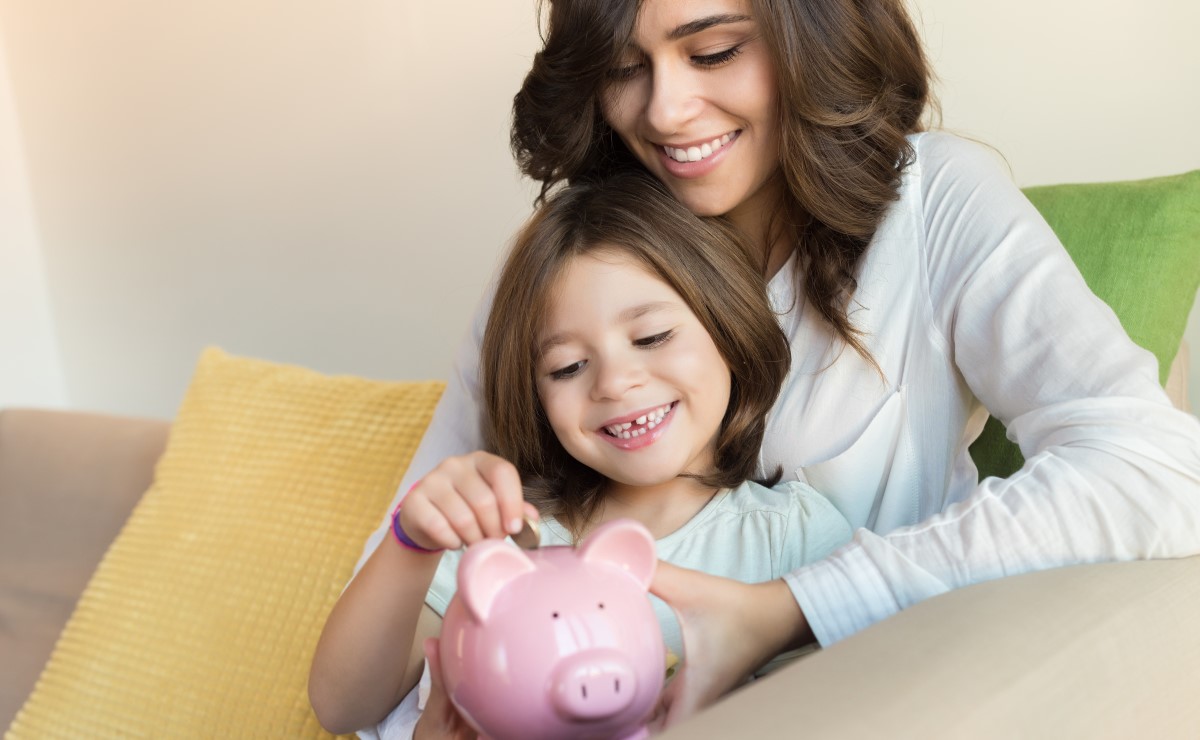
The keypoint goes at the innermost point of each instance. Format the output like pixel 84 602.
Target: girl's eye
pixel 569 371
pixel 719 58
pixel 655 340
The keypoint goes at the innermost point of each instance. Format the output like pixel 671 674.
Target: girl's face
pixel 695 99
pixel 630 381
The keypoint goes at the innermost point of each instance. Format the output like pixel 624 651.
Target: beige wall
pixel 30 370
pixel 329 183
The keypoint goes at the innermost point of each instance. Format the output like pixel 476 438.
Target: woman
pixel 919 291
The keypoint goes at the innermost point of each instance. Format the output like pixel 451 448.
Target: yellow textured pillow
pixel 202 618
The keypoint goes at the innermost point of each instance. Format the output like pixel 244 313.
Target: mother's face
pixel 695 99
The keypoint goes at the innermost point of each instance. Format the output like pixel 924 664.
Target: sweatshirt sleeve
pixel 455 427
pixel 1112 470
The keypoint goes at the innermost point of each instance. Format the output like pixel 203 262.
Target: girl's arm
pixel 370 653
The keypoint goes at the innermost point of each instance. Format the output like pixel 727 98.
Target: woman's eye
pixel 624 72
pixel 569 371
pixel 654 340
pixel 719 58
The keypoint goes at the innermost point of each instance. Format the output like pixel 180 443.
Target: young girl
pixel 628 363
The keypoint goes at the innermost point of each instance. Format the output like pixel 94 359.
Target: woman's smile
pixel 696 101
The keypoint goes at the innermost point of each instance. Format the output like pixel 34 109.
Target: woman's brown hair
pixel 704 261
pixel 853 83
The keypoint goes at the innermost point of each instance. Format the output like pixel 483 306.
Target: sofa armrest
pixel 68 481
pixel 1107 650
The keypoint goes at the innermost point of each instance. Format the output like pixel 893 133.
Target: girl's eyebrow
pixel 640 310
pixel 629 314
pixel 701 24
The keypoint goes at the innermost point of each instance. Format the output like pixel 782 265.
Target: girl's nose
pixel 673 100
pixel 614 378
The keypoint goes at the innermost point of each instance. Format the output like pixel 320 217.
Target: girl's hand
pixel 463 500
pixel 730 629
pixel 440 719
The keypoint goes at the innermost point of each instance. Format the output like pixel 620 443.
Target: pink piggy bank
pixel 560 642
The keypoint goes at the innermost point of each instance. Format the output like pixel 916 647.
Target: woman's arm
pixel 1112 471
pixel 729 628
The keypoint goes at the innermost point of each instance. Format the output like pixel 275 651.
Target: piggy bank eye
pixel 601 604
pixel 554 614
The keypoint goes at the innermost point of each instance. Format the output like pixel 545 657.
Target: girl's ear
pixel 624 543
pixel 486 569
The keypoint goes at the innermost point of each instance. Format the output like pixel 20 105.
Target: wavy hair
pixel 853 82
pixel 702 260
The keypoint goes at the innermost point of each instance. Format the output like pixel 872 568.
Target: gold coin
pixel 530 536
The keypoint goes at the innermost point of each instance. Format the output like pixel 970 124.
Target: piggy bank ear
pixel 486 569
pixel 625 544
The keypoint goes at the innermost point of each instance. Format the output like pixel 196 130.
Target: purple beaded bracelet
pixel 403 538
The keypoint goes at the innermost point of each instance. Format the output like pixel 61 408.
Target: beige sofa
pixel 1094 651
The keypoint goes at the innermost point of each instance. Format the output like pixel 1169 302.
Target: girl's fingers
pixel 461 517
pixel 477 490
pixel 466 499
pixel 505 483
pixel 425 525
pixel 530 511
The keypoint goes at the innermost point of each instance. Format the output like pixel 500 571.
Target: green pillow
pixel 1138 246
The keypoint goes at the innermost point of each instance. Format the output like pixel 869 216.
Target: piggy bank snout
pixel 593 685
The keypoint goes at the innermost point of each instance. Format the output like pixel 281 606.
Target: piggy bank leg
pixel 639 734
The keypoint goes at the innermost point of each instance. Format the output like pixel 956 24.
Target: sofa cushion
pixel 1137 245
pixel 202 617
pixel 77 475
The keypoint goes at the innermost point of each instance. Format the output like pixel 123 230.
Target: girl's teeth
pixel 650 420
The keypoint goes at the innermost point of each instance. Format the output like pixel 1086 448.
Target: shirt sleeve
pixel 1112 470
pixel 401 722
pixel 444 583
pixel 815 527
pixel 455 427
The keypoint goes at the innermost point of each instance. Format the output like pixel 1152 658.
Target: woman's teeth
pixel 640 425
pixel 697 153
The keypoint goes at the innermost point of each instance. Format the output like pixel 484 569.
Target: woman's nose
pixel 673 100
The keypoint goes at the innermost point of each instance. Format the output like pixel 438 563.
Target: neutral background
pixel 329 183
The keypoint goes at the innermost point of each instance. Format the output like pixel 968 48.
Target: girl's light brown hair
pixel 853 83
pixel 703 260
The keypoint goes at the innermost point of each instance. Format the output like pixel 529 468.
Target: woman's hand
pixel 730 629
pixel 440 719
pixel 463 500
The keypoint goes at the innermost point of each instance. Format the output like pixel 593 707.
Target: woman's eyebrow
pixel 701 24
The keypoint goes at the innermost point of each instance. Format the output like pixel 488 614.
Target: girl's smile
pixel 638 430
